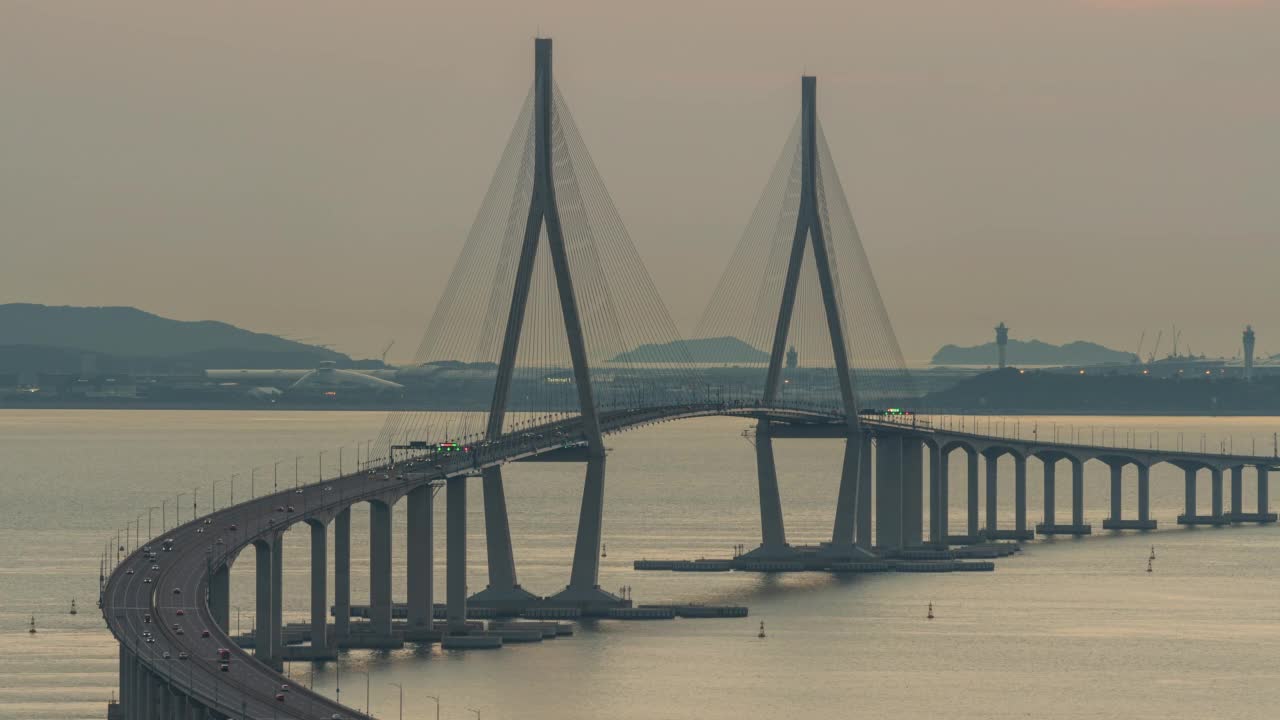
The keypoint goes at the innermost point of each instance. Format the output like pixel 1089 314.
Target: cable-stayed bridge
pixel 550 298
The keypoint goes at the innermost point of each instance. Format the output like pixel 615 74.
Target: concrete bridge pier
pixel 972 526
pixel 939 493
pixel 420 561
pixel 1117 520
pixel 319 590
pixel 993 469
pixel 220 597
pixel 1050 525
pixel 264 634
pixel 342 577
pixel 889 492
pixel 1215 475
pixel 277 601
pixel 1020 498
pixel 1189 516
pixel 380 569
pixel 1237 492
pixel 1144 495
pixel 912 491
pixel 456 555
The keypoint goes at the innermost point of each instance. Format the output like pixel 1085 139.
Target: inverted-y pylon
pixel 810 231
pixel 503 591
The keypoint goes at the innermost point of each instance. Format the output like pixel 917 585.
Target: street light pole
pixel 437 699
pixel 477 712
pixel 149 511
pixel 320 467
pixel 275 476
pixel 213 491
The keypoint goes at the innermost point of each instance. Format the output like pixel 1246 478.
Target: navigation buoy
pixel 32 629
pixel 1153 553
pixel 930 615
pixel 759 634
pixel 604 550
pixel 73 606
pixel 1148 564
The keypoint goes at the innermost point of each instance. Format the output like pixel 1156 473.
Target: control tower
pixel 1248 353
pixel 1002 340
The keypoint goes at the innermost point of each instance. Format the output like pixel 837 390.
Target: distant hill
pixel 42 333
pixel 721 350
pixel 1032 352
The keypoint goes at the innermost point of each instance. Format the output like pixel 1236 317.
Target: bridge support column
pixel 1116 471
pixel 972 471
pixel 912 492
pixel 1144 493
pixel 1264 496
pixel 584 590
pixel 277 601
pixel 843 540
pixel 939 479
pixel 1020 498
pixel 889 492
pixel 1237 492
pixel 993 469
pixel 380 568
pixel 865 477
pixel 1077 492
pixel 1050 490
pixel 1216 475
pixel 126 692
pixel 264 634
pixel 342 576
pixel 1189 492
pixel 220 597
pixel 456 554
pixel 504 592
pixel 421 559
pixel 773 534
pixel 319 590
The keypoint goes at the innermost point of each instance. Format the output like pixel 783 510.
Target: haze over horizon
pixel 311 169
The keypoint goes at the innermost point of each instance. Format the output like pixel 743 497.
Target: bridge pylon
pixel 811 233
pixel 503 591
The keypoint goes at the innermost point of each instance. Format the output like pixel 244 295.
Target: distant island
pixel 1032 352
pixel 44 338
pixel 721 350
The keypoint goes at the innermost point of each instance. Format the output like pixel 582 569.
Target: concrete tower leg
pixel 842 531
pixel 1237 492
pixel 889 492
pixel 264 635
pixel 912 492
pixel 993 469
pixel 342 576
pixel 865 477
pixel 123 678
pixel 1216 475
pixel 456 554
pixel 1020 498
pixel 319 590
pixel 1050 490
pixel 380 568
pixel 421 559
pixel 584 590
pixel 504 592
pixel 939 479
pixel 773 535
pixel 220 597
pixel 972 473
pixel 1264 494
pixel 277 601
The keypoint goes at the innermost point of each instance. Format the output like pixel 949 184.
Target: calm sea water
pixel 1070 628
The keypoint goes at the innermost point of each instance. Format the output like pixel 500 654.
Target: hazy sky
pixel 1078 169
